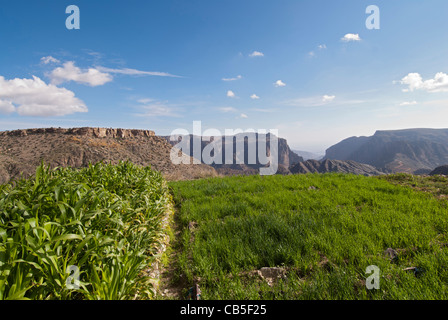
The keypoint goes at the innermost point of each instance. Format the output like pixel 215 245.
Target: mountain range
pixel 417 151
pixel 411 150
pixel 306 155
pixel 324 166
pixel 286 158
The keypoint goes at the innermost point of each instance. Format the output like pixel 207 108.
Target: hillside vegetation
pixel 311 237
pixel 105 220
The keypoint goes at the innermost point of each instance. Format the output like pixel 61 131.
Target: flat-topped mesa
pixel 86 131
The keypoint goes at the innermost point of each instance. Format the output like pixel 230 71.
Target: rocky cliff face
pixel 411 151
pixel 325 166
pixel 286 157
pixel 344 149
pixel 86 131
pixel 21 151
pixel 442 170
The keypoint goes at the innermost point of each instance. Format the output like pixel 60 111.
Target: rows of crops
pixel 81 234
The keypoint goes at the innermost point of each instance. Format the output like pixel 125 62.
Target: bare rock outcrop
pixel 85 131
pixel 409 150
pixel 314 166
pixel 286 157
pixel 21 151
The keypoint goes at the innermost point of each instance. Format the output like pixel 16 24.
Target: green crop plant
pixel 104 219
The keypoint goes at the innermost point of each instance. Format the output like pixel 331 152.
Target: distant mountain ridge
pixel 286 157
pixel 417 151
pixel 442 170
pixel 326 166
pixel 408 150
pixel 306 155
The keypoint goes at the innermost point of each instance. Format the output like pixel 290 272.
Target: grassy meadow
pixel 323 231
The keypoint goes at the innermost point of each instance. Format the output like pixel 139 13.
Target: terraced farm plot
pixel 106 221
pixel 310 237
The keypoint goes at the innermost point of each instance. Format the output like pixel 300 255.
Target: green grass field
pixel 323 231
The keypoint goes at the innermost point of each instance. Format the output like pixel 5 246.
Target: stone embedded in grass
pixel 192 225
pixel 417 271
pixel 272 274
pixel 391 253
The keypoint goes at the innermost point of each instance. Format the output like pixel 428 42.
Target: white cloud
pixel 69 72
pixel 312 54
pixel 254 97
pixel 351 37
pixel 232 79
pixel 230 94
pixel 154 108
pixel 256 54
pixel 264 110
pixel 227 109
pixel 49 59
pixel 135 72
pixel 145 100
pixel 157 110
pixel 6 107
pixel 96 76
pixel 414 81
pixel 234 111
pixel 327 98
pixel 318 101
pixel 96 57
pixel 279 83
pixel 320 47
pixel 33 97
pixel 408 103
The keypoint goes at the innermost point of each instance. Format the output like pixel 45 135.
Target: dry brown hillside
pixel 21 151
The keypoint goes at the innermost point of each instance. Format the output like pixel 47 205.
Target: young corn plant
pixel 104 219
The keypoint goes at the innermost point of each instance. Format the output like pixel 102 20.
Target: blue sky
pixel 258 64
